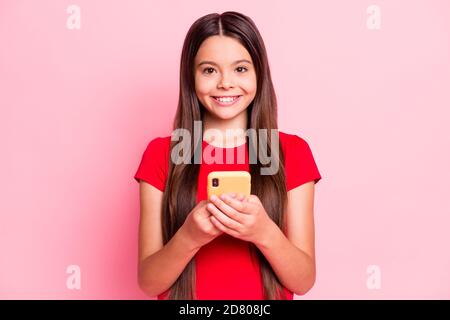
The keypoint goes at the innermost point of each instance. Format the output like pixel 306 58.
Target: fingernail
pixel 213 197
pixel 223 196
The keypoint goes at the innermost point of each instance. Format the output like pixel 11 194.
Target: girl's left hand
pixel 241 217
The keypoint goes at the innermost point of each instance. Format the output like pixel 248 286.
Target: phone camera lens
pixel 215 182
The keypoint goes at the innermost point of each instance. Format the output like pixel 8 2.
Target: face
pixel 225 79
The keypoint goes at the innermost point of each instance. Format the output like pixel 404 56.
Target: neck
pixel 232 131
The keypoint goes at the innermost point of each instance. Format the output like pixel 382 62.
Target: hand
pixel 241 217
pixel 198 227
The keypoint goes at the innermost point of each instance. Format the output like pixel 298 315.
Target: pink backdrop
pixel 78 107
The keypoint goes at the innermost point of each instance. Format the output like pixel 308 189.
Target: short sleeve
pixel 300 165
pixel 154 163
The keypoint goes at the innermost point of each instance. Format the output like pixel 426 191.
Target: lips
pixel 226 100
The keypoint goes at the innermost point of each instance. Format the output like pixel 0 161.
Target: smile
pixel 226 101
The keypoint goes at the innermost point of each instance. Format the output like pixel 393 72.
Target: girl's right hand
pixel 198 226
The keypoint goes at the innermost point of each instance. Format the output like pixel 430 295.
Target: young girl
pixel 239 247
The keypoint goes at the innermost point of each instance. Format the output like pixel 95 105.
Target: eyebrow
pixel 215 64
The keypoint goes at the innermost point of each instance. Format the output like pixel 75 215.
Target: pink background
pixel 78 108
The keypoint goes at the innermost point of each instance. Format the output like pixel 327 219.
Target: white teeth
pixel 226 99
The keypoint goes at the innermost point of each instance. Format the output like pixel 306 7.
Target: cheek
pixel 249 85
pixel 203 86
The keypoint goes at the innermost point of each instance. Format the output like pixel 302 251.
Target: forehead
pixel 221 49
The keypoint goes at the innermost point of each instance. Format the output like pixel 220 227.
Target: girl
pixel 256 247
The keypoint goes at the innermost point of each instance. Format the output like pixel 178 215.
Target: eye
pixel 208 68
pixel 242 68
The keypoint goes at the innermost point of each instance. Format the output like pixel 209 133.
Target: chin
pixel 226 114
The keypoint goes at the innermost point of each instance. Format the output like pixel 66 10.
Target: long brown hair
pixel 181 185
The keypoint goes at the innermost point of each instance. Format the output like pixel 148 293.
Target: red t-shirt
pixel 225 269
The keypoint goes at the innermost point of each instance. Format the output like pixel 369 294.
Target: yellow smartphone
pixel 220 182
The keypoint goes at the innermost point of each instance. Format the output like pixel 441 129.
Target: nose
pixel 226 82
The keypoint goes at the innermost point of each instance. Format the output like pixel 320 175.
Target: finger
pixel 223 218
pixel 233 203
pixel 244 207
pixel 203 212
pixel 240 196
pixel 226 208
pixel 253 199
pixel 222 228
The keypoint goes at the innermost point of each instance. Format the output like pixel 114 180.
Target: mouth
pixel 226 100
